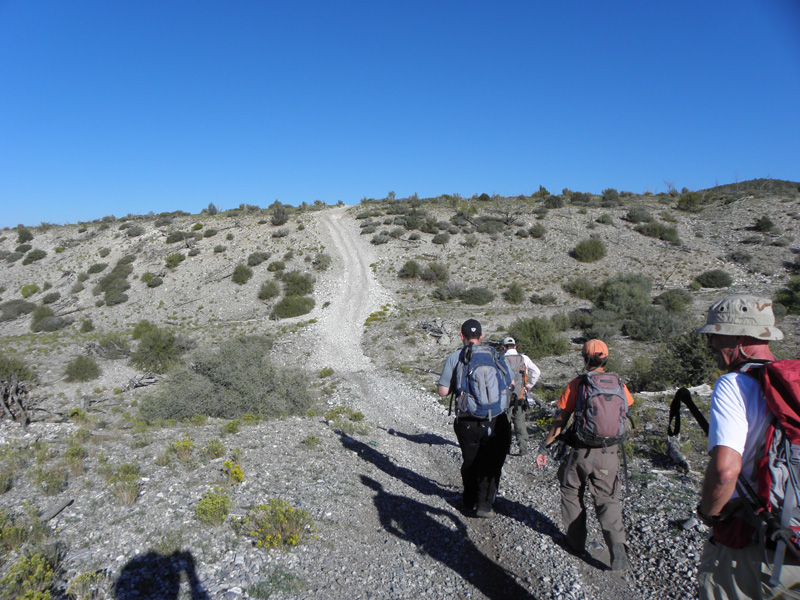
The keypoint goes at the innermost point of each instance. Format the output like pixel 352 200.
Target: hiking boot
pixel 484 513
pixel 619 559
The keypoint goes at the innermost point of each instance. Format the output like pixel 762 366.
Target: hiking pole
pixel 427 371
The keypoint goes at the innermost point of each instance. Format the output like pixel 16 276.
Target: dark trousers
pixel 484 446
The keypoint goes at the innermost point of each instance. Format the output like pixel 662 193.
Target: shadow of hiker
pixel 447 542
pixel 153 576
pixel 422 438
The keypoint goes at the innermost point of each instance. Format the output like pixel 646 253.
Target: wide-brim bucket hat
pixel 742 314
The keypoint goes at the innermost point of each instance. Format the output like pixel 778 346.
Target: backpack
pixel 520 373
pixel 482 380
pixel 778 469
pixel 600 412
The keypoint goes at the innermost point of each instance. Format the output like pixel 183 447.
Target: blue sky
pixel 129 107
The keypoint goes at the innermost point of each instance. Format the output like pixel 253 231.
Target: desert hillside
pixel 174 363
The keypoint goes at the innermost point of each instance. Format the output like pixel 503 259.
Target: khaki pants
pixel 597 470
pixel 728 574
pixel 520 428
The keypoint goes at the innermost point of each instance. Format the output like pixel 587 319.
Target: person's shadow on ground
pixel 153 576
pixel 442 535
pixel 430 439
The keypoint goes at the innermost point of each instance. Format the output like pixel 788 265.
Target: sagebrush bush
pixel 514 293
pixel 660 231
pixel 624 294
pixel 292 306
pixel 23 248
pixel 256 258
pixel 715 278
pixel 764 224
pixel 44 320
pixel 537 337
pixel 12 309
pixel 241 274
pixel 33 256
pixel 158 350
pixel 674 300
pixel 51 297
pixel 11 365
pixel 410 270
pixel 268 290
pixel 590 250
pixel 29 290
pixel 227 382
pixel 435 272
pixel 174 259
pixel 83 368
pixel 24 235
pixel 296 283
pixel 582 287
pixel 441 238
pixel 639 214
pixel 321 261
pixel 683 361
pixel 151 280
pixel 477 295
pixel 789 296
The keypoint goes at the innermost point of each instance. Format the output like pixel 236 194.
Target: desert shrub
pixel 241 274
pixel 624 294
pixel 292 306
pixel 514 293
pixel 197 226
pixel 639 214
pixel 469 241
pixel 380 238
pixel 296 283
pixel 522 233
pixel 605 219
pixel 235 379
pixel 11 365
pixel 278 524
pixel 489 225
pixel 87 326
pixel 740 257
pixel 157 351
pixel 537 337
pixel 674 300
pixel 789 296
pixel 44 320
pixel 24 235
pixel 764 224
pixel 435 272
pixel 256 258
pixel 213 449
pixel 715 278
pixel 51 297
pixel 280 215
pixel 83 368
pixel 193 252
pixel 269 290
pixel 610 197
pixel 143 328
pixel 151 280
pixel 178 236
pixel 280 233
pixel 135 231
pixel 23 248
pixel 210 232
pixel 174 259
pixel 543 299
pixel 367 229
pixel 114 284
pixel 652 324
pixel 690 202
pixel 30 577
pixel 660 231
pixel 441 238
pixel 13 257
pixel 321 261
pixel 213 507
pixel 29 290
pixel 396 232
pixel 683 361
pixel 477 295
pixel 113 346
pixel 590 250
pixel 13 309
pixel 554 202
pixel 410 270
pixel 33 256
pixel 581 287
pixel 277 265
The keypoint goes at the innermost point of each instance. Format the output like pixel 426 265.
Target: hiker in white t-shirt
pixel 526 374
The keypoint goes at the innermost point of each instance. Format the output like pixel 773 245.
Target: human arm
pixel 533 373
pixel 558 425
pixel 719 483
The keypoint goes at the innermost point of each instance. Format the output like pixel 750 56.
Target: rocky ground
pixel 384 500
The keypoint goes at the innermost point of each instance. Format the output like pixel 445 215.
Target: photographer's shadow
pixel 154 576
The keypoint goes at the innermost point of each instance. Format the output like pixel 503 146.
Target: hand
pixel 541 460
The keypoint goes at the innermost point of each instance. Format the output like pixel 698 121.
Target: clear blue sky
pixel 119 107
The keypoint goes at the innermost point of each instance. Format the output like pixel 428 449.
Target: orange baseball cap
pixel 595 348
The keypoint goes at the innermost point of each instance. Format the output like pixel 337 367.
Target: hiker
pixel 735 563
pixel 481 425
pixel 593 459
pixel 526 374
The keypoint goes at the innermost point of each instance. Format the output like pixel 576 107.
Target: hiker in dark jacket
pixel 597 468
pixel 484 442
pixel 734 563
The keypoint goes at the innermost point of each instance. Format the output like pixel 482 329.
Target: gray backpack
pixel 600 412
pixel 482 378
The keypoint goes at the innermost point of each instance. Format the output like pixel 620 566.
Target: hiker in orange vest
pixel 589 466
pixel 735 563
pixel 526 374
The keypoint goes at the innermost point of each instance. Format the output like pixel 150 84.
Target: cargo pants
pixel 484 446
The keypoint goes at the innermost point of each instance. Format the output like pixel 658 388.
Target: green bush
pixel 660 231
pixel 441 238
pixel 87 326
pixel 227 382
pixel 297 284
pixel 582 287
pixel 605 219
pixel 241 274
pixel 624 294
pixel 29 290
pixel 477 295
pixel 24 234
pixel 321 261
pixel 277 265
pixel 13 257
pixel 178 236
pixel 590 250
pixel 269 290
pixel 674 300
pixel 13 309
pixel 683 361
pixel 292 306
pixel 715 278
pixel 764 224
pixel 537 337
pixel 114 284
pixel 278 523
pixel 11 365
pixel 380 238
pixel 173 260
pixel 280 215
pixel 691 202
pixel 639 214
pixel 435 272
pixel 537 231
pixel 33 256
pixel 789 296
pixel 157 351
pixel 31 577
pixel 83 368
pixel 410 270
pixel 213 507
pixel 151 280
pixel 43 320
pixel 543 299
pixel 514 293
pixel 23 248
pixel 135 231
pixel 210 232
pixel 51 297
pixel 256 258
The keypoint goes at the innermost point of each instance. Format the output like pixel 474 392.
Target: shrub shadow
pixel 154 576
